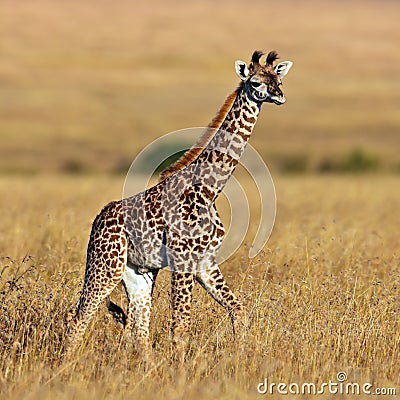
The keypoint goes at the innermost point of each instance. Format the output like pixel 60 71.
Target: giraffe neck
pixel 218 160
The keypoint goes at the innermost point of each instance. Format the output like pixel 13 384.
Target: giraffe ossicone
pixel 175 223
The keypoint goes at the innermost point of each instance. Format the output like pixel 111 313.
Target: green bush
pixel 356 161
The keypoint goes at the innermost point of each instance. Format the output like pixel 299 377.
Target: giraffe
pixel 175 223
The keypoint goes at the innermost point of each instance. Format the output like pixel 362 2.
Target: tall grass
pixel 323 297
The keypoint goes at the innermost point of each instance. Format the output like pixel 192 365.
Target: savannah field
pixel 85 86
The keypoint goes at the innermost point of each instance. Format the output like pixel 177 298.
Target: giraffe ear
pixel 241 69
pixel 283 68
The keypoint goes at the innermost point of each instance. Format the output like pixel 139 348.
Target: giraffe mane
pixel 189 156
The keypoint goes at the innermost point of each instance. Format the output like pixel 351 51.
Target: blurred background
pixel 84 86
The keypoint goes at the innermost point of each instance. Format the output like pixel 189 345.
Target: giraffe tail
pixel 116 311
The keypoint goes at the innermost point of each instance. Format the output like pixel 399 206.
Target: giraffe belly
pixel 145 254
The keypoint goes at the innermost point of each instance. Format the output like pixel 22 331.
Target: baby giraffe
pixel 175 224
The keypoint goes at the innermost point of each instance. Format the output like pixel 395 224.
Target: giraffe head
pixel 262 81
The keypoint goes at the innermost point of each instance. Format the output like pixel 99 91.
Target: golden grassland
pixel 84 86
pixel 322 297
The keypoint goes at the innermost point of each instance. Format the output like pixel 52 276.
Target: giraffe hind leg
pixel 139 288
pixel 106 262
pixel 92 296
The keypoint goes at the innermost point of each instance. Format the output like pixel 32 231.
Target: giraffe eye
pixel 255 84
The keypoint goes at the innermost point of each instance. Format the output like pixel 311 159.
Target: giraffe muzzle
pixel 279 100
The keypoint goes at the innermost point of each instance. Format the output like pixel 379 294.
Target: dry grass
pixel 89 86
pixel 84 88
pixel 322 298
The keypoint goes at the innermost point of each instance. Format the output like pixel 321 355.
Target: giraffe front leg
pixel 212 280
pixel 139 288
pixel 181 298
